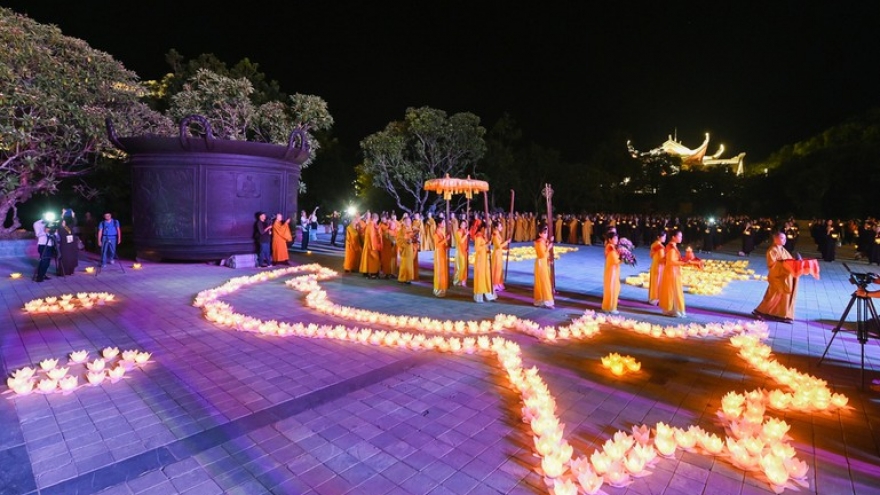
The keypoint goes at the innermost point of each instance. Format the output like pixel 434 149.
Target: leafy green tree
pixel 226 104
pixel 427 144
pixel 55 94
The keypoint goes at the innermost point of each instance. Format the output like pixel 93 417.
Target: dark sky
pixel 755 75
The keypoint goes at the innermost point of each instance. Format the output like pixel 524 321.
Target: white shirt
pixel 40 232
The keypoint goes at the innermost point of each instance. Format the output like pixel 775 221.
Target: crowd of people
pixel 60 238
pixel 379 245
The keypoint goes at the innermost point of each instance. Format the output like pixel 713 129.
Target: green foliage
pixel 227 104
pixel 55 94
pixel 427 144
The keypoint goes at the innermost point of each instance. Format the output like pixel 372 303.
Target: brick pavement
pixel 222 411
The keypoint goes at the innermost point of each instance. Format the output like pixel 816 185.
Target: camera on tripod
pixel 861 280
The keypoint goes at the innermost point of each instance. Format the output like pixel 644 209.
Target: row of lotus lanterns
pixel 752 441
pixel 527 253
pixel 710 278
pixel 49 378
pixel 68 302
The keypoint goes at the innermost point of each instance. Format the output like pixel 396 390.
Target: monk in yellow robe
pixel 587 231
pixel 611 280
pixel 499 247
pixel 353 244
pixel 460 275
pixel 671 287
pixel 370 262
pixel 779 299
pixel 543 294
pixel 441 259
pixel 482 274
pixel 557 234
pixel 405 246
pixel 658 256
pixel 418 233
pixel 573 230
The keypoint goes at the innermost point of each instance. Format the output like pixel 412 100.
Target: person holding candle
pixel 611 285
pixel 658 256
pixel 671 288
pixel 482 275
pixel 499 244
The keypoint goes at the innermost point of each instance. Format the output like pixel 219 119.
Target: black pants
pixel 47 252
pixel 305 240
pixel 334 230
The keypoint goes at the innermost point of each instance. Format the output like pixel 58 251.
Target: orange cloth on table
pixel 370 262
pixel 461 258
pixel 543 293
pixel 803 267
pixel 671 289
pixel 482 275
pixel 658 255
pixel 353 246
pixel 781 293
pixel 611 285
pixel 407 251
pixel 441 262
pixel 280 237
pixel 498 245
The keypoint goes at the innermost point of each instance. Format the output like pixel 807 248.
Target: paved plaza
pixel 216 410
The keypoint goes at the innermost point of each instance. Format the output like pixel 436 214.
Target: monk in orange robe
pixel 611 283
pixel 779 299
pixel 353 245
pixel 370 262
pixel 543 294
pixel 658 256
pixel 499 246
pixel 461 255
pixel 441 259
pixel 280 237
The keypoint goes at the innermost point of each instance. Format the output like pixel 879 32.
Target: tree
pixel 425 145
pixel 55 94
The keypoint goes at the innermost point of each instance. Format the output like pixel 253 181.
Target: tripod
pixel 867 325
pixel 50 252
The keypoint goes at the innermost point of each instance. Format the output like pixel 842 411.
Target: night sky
pixel 755 75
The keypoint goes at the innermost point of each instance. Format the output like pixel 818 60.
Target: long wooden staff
pixel 548 193
pixel 507 256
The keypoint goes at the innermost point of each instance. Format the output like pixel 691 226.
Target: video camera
pixel 861 279
pixel 51 222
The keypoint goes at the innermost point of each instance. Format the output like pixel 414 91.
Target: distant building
pixel 691 158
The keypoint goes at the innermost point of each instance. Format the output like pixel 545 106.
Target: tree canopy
pixel 427 144
pixel 55 94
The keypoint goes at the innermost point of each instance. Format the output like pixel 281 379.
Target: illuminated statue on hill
pixel 691 158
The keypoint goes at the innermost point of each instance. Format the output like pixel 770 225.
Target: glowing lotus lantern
pixel 23 387
pixel 774 469
pixel 110 352
pixel 797 469
pixel 90 269
pixel 47 386
pixel 96 377
pixel 136 266
pixel 564 487
pixel 15 275
pixel 67 383
pixel 24 374
pixel 48 364
pixel 57 373
pixel 590 482
pixel 116 373
pixel 96 365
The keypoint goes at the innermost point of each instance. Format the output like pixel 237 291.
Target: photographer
pixel 45 230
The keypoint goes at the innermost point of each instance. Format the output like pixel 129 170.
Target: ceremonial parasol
pixel 447 186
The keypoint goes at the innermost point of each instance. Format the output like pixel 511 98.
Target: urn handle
pixel 184 127
pixel 298 141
